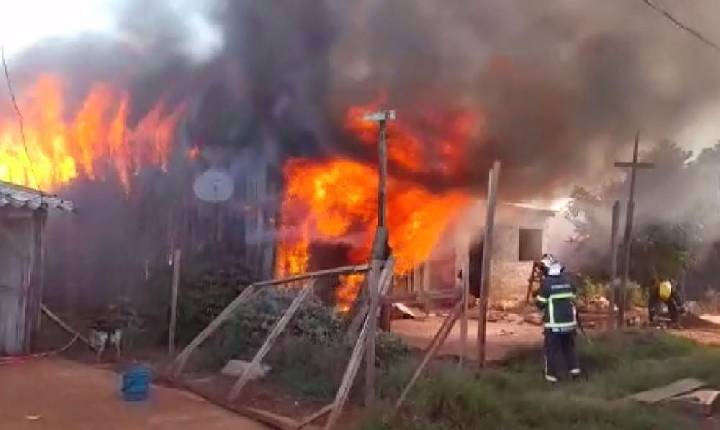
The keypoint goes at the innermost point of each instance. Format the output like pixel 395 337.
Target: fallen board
pixel 659 394
pixel 704 401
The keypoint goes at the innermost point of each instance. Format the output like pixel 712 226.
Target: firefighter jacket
pixel 557 299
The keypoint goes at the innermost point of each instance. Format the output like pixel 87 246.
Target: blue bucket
pixel 136 383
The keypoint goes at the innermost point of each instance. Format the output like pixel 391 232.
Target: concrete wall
pixel 509 280
pixel 509 276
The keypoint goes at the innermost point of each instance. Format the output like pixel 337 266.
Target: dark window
pixel 530 244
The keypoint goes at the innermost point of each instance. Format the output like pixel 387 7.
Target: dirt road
pixel 58 394
pixel 502 337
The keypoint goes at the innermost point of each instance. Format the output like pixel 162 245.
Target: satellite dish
pixel 213 185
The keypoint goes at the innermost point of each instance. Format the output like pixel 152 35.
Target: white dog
pixel 102 333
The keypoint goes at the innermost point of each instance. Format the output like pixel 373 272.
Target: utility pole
pixel 493 180
pixel 630 211
pixel 380 250
pixel 613 260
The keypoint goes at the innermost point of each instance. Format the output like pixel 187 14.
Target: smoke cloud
pixel 563 85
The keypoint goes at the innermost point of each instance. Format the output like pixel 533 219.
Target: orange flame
pixel 349 288
pixel 96 142
pixel 335 200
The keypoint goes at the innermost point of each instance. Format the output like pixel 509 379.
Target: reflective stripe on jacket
pixel 557 299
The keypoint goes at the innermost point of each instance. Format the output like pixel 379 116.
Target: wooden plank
pixel 493 180
pixel 374 285
pixel 270 340
pixel 613 261
pixel 182 358
pixel 658 394
pixel 437 342
pixel 173 301
pixel 354 364
pixel 465 298
pixel 359 317
pixel 336 271
pixel 315 416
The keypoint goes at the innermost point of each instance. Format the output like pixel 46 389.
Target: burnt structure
pixel 22 222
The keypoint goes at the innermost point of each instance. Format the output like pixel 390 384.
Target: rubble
pixel 237 367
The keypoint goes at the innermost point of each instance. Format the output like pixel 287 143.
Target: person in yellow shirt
pixel 664 293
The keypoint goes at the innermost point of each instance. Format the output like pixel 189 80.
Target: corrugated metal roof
pixel 17 196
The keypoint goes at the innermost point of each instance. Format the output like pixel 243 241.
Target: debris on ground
pixel 703 401
pixel 534 319
pixel 677 388
pixel 237 368
pixel 407 311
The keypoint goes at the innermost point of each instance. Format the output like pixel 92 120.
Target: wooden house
pixel 22 221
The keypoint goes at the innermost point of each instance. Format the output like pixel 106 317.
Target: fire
pixel 96 140
pixel 348 290
pixel 335 200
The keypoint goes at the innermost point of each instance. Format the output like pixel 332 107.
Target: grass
pixel 516 397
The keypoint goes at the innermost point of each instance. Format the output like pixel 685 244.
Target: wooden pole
pixel 437 342
pixel 613 260
pixel 355 360
pixel 379 252
pixel 463 256
pixel 360 268
pixel 182 358
pixel 173 301
pixel 374 285
pixel 277 329
pixel 493 180
pixel 630 211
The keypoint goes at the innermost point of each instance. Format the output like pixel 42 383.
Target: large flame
pixel 335 200
pixel 94 141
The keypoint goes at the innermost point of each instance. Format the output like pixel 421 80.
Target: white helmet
pixel 548 260
pixel 555 269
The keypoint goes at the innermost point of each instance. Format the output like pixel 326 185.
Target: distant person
pixel 557 299
pixel 664 293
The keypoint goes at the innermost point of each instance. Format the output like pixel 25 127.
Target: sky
pixel 26 22
pixel 22 25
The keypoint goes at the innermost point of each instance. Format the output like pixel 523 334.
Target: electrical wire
pixel 21 122
pixel 682 26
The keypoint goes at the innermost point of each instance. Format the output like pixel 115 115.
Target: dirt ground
pixel 502 337
pixel 58 394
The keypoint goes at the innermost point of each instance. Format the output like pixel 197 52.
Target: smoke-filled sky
pixel 562 84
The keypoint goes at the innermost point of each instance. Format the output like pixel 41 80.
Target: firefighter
pixel 664 293
pixel 556 299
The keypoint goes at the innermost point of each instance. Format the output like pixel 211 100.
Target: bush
pixel 516 397
pixel 250 324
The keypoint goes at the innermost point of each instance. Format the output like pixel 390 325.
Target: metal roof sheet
pixel 17 196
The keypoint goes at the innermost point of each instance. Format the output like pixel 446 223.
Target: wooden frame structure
pixel 379 277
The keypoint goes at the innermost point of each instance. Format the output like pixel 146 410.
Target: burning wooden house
pixel 22 221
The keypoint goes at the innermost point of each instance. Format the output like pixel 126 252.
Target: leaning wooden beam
pixel 270 341
pixel 336 271
pixel 385 277
pixel 315 416
pixel 64 326
pixel 355 359
pixel 465 297
pixel 182 358
pixel 438 341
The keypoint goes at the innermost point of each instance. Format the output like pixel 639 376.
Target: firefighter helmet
pixel 665 290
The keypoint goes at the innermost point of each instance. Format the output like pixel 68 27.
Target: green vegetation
pixel 516 397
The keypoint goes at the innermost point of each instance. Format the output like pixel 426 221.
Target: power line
pixel 682 26
pixel 19 115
